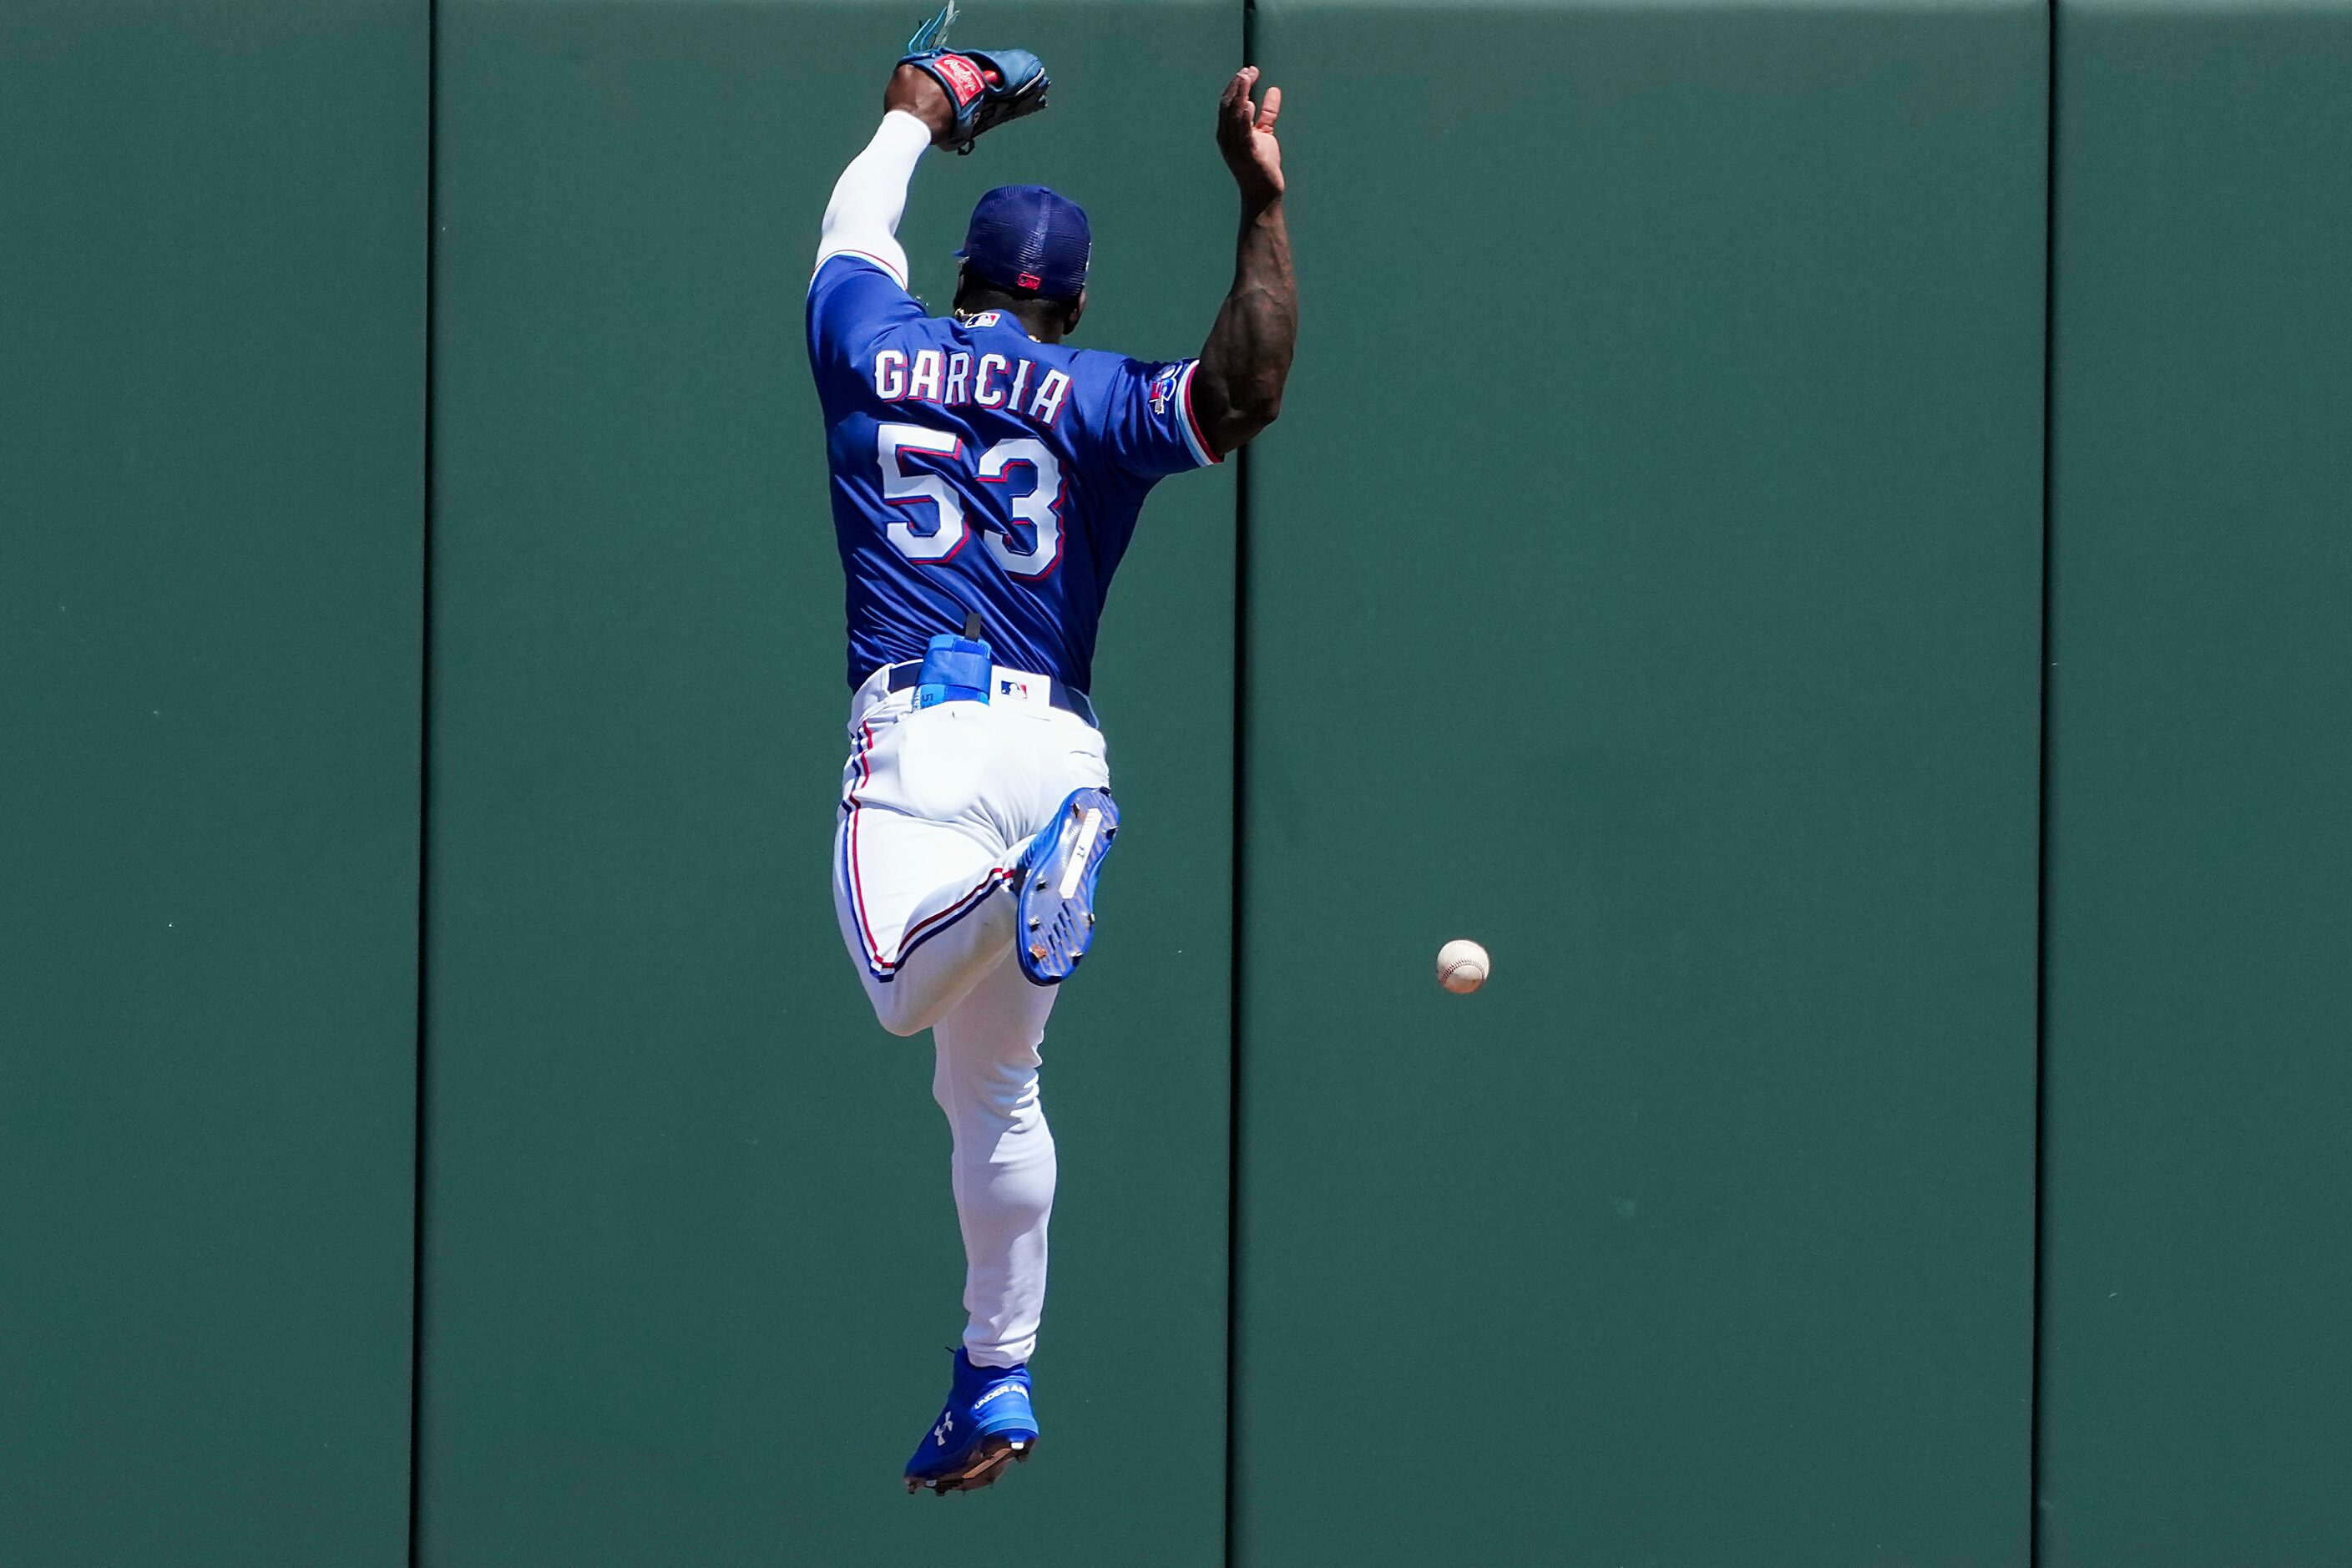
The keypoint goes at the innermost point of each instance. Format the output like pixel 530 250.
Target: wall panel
pixel 691 1255
pixel 2196 1334
pixel 212 372
pixel 1644 579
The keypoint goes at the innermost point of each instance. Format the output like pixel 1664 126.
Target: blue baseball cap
pixel 1027 239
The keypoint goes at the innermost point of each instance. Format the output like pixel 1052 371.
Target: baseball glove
pixel 985 86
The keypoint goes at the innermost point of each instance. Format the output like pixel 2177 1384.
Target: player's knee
pixel 897 1011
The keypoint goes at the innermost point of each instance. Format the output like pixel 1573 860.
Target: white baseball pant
pixel 937 806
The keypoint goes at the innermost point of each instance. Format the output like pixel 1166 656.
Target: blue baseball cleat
pixel 1056 896
pixel 987 1424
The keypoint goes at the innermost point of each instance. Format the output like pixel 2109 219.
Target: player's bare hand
pixel 919 95
pixel 1246 136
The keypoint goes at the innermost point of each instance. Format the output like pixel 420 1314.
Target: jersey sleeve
pixel 1147 423
pixel 853 299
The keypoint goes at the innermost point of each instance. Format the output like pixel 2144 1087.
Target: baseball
pixel 1462 967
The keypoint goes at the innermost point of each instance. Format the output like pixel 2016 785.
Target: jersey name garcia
pixel 975 470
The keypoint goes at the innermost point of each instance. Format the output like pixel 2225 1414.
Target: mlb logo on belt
pixel 963 78
pixel 1026 688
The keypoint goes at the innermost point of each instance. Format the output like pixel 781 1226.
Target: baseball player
pixel 986 478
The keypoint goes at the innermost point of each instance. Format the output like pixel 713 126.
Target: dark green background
pixel 1646 578
pixel 212 513
pixel 2197 1248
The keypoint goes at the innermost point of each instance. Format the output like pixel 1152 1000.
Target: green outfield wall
pixel 212 511
pixel 689 1257
pixel 2197 1268
pixel 1646 579
pixel 1905 1125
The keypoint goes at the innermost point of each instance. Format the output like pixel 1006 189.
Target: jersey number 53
pixel 933 529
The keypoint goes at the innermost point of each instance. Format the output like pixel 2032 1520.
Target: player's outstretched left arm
pixel 1237 391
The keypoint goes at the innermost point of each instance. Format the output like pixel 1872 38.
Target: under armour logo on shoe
pixel 940 1433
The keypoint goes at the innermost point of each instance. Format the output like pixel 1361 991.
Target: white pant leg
pixel 925 910
pixel 1002 1166
pixel 921 852
pixel 937 804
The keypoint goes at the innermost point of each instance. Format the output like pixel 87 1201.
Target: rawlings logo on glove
pixel 960 77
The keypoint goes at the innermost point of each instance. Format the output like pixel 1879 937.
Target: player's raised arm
pixel 1237 391
pixel 861 218
pixel 936 97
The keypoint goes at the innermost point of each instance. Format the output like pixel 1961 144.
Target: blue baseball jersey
pixel 975 468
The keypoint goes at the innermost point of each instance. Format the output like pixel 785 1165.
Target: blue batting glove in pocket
pixel 955 669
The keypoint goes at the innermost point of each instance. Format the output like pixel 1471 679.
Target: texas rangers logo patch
pixel 1163 388
pixel 963 78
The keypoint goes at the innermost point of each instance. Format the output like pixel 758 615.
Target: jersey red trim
pixel 1206 454
pixel 887 270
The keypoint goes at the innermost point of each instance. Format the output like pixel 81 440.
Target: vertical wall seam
pixel 2041 793
pixel 1235 929
pixel 424 802
pixel 1234 1071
